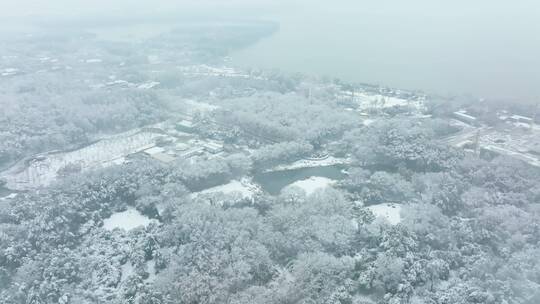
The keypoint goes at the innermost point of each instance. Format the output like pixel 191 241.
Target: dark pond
pixel 273 182
pixel 4 191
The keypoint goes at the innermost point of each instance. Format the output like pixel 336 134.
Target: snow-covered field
pixel 389 212
pixel 127 220
pixel 305 163
pixel 244 187
pixel 44 170
pixel 312 184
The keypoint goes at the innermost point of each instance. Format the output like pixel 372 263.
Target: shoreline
pixel 306 163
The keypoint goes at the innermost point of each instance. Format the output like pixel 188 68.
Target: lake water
pixel 274 182
pixel 487 48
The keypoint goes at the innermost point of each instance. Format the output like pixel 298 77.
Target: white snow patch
pixel 127 220
pixel 154 150
pixel 390 212
pixel 9 196
pixel 148 85
pixel 10 72
pixel 312 184
pixel 200 106
pixel 245 187
pixel 126 270
pixel 151 268
pixel 368 121
pixel 306 163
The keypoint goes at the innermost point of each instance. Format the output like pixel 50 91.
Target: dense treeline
pixel 286 117
pixel 402 142
pixel 469 235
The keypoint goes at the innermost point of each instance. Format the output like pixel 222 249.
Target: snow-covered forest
pixel 152 171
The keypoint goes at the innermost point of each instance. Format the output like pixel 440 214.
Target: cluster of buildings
pixel 463 116
pixel 518 137
pixel 384 99
pixel 517 120
pixel 206 70
pixel 21 65
pixel 180 141
pixel 9 72
pixel 504 116
pixel 184 150
pixel 164 142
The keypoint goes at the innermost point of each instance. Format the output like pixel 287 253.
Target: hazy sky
pixel 439 7
pixel 89 7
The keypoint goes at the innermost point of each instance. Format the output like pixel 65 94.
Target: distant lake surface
pixel 485 48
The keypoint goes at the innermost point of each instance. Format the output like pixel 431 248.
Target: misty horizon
pixel 487 49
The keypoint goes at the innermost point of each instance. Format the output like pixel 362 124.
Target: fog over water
pixel 487 48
